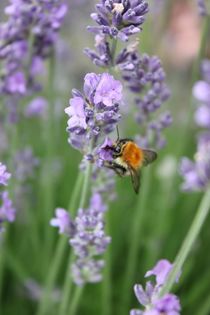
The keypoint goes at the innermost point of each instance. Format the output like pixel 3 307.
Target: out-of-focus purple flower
pixel 35 291
pixel 202 7
pixel 26 38
pixel 36 108
pixel 149 298
pixel 196 174
pixel 4 175
pixel 96 112
pixel 201 91
pixel 119 18
pixel 87 271
pixel 16 83
pixel 7 212
pixel 25 163
pixel 63 222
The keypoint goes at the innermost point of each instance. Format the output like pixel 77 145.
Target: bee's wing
pixel 135 178
pixel 149 157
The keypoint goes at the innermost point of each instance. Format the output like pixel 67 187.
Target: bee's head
pixel 118 146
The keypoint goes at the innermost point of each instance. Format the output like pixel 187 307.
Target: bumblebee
pixel 128 159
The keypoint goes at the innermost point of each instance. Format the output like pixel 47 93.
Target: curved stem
pixel 192 235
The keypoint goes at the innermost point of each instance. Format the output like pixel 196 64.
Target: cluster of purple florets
pixel 145 77
pixel 7 211
pixel 197 174
pixel 119 18
pixel 94 113
pixel 87 238
pixel 26 38
pixel 150 297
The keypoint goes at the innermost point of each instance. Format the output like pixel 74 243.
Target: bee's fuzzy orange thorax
pixel 132 155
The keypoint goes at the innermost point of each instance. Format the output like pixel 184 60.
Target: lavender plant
pixel 149 298
pixel 107 236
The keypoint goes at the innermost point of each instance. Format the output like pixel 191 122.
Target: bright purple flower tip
pixel 160 271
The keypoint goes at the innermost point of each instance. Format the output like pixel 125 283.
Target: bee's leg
pixel 118 169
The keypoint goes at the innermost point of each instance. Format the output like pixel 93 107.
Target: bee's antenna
pixel 118 134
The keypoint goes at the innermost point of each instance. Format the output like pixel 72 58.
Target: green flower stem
pixel 107 281
pixel 68 280
pixel 68 285
pixel 75 300
pixel 59 252
pixel 136 230
pixel 190 239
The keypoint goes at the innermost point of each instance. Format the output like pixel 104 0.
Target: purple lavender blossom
pixel 4 175
pixel 94 113
pixel 87 238
pixel 102 57
pixel 160 271
pixel 63 222
pixel 7 211
pixel 144 75
pixel 119 18
pixel 27 36
pixel 196 173
pixel 149 298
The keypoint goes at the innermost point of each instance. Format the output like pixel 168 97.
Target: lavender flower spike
pixel 87 238
pixel 119 18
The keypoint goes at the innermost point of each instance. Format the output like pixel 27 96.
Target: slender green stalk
pixel 75 300
pixel 85 188
pixel 107 279
pixel 68 280
pixel 205 307
pixel 68 284
pixel 59 252
pixel 136 230
pixel 190 239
